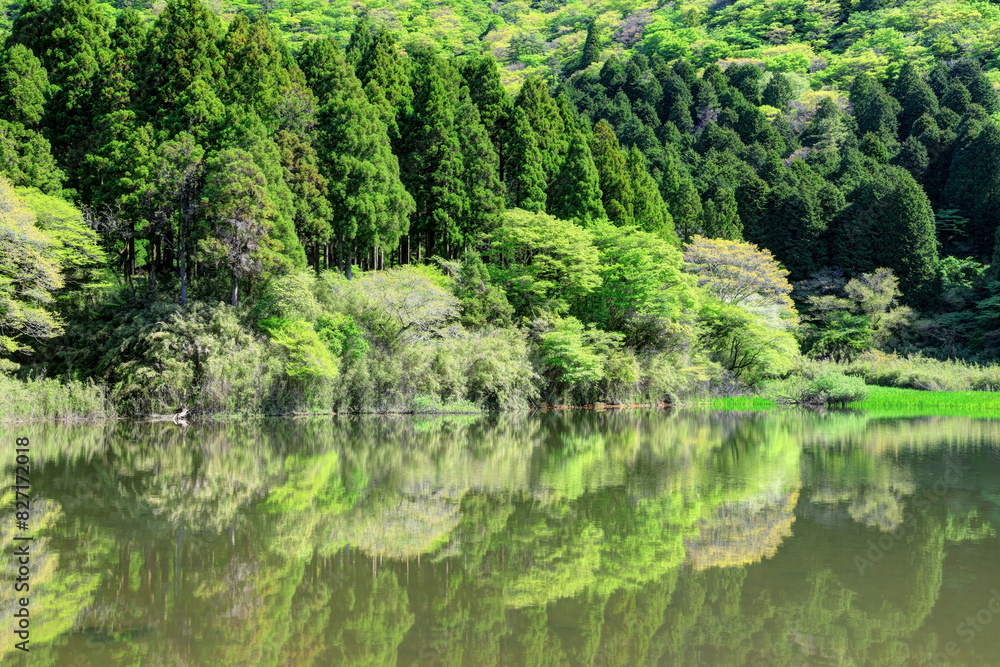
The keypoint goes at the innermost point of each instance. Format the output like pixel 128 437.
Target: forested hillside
pixel 197 210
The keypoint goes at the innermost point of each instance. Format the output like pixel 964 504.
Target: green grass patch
pixel 741 403
pixel 886 401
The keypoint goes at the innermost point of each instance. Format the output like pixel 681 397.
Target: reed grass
pixel 23 400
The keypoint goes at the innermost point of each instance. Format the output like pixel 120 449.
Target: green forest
pixel 277 208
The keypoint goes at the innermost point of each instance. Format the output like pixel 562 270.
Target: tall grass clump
pixel 47 398
pixel 918 372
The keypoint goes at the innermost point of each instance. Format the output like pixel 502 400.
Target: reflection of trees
pixel 572 538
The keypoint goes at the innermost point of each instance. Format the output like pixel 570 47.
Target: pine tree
pixel 524 173
pixel 648 208
pixel 576 193
pixel 616 190
pixel 681 196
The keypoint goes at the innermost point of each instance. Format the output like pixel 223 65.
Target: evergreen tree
pixel 482 75
pixel 128 40
pixel 722 221
pixel 973 185
pixel 616 189
pixel 591 46
pixel 748 80
pixel 677 103
pixel 24 85
pixel 889 223
pixel 576 193
pixel 433 156
pixel 181 63
pixel 649 211
pixel 681 196
pixel 875 110
pixel 26 158
pixel 980 89
pixel 915 97
pixel 543 115
pixel 483 188
pixel 778 92
pixel 384 73
pixel 371 208
pixel 256 72
pixel 360 42
pixel 524 173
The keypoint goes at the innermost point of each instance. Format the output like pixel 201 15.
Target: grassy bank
pixel 52 399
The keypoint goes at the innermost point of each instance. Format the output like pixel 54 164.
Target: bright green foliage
pixel 616 189
pixel 308 355
pixel 568 361
pixel 523 170
pixel 745 343
pixel 71 241
pixel 576 192
pixel 544 264
pixel 301 172
pixel 741 274
pixel 24 85
pixel 482 302
pixel 121 80
pixel 256 71
pixel 29 274
pixel 843 337
pixel 641 278
pixel 484 192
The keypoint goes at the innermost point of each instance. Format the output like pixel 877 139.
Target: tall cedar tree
pixel 648 210
pixel 384 73
pixel 973 185
pixel 616 188
pixel 484 190
pixel 371 208
pixel 681 196
pixel 256 69
pixel 543 115
pixel 576 193
pixel 182 67
pixel 875 110
pixel 433 157
pixel 72 40
pixel 523 169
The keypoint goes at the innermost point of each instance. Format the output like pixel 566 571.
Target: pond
pixel 638 537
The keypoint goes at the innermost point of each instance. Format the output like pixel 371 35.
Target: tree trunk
pixel 234 297
pixel 182 269
pixel 404 249
pixel 340 253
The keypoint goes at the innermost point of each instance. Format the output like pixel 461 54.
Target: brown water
pixel 631 538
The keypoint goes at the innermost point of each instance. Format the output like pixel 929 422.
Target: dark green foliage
pixel 576 192
pixel 649 211
pixel 591 46
pixel 24 85
pixel 523 168
pixel 875 110
pixel 721 219
pixel 681 197
pixel 973 185
pixel 483 303
pixel 616 188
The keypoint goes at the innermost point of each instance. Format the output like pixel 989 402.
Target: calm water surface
pixel 633 538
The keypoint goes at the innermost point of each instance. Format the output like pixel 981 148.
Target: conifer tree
pixel 648 208
pixel 482 75
pixel 915 97
pixel 256 73
pixel 778 92
pixel 433 156
pixel 24 86
pixel 524 173
pixel 543 115
pixel 973 185
pixel 616 189
pixel 576 192
pixel 677 103
pixel 875 110
pixel 181 63
pixel 722 220
pixel 480 172
pixel 981 91
pixel 128 40
pixel 384 73
pixel 371 208
pixel 591 46
pixel 681 196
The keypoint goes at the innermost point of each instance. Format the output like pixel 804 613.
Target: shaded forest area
pixel 195 215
